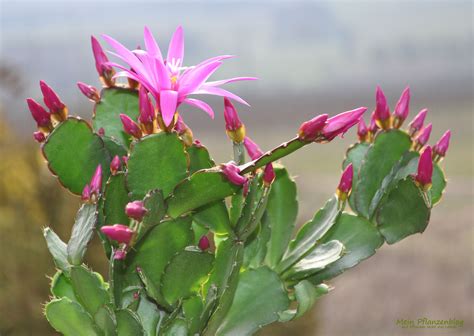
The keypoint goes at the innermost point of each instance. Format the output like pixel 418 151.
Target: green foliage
pixel 89 288
pixel 306 295
pixel 113 102
pixel 128 323
pixel 115 200
pixel 57 248
pixel 73 153
pixel 82 231
pixel 157 161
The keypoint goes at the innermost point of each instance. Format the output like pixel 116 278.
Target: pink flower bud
pixel 51 99
pixel 403 107
pixel 89 91
pixel 204 243
pixel 115 165
pixel 382 111
pixel 118 232
pixel 341 123
pixel 39 136
pixel 198 143
pixel 345 184
pixel 130 126
pixel 100 58
pixel 362 130
pixel 425 169
pixel 86 193
pixel 311 129
pixel 373 124
pixel 268 175
pixel 442 145
pixel 96 181
pixel 135 210
pixel 417 122
pixel 125 159
pixel 101 132
pixel 41 116
pixel 235 129
pixel 252 148
pixel 423 136
pixel 120 254
pixel 231 171
pixel 147 112
pixel 232 120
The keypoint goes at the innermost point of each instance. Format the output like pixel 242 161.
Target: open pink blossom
pixel 167 79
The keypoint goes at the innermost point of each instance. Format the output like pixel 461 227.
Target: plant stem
pixel 284 149
pixel 239 154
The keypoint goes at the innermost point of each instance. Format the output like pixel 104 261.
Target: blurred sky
pixel 294 47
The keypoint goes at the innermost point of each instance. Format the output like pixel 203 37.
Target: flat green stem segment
pixel 73 153
pixel 113 102
pixel 283 150
pixel 82 232
pixel 259 298
pixel 382 155
pixel 115 200
pixel 157 161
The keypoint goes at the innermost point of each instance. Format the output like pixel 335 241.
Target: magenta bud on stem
pixel 425 169
pixel 345 184
pixel 235 129
pixel 89 91
pixel 56 107
pixel 341 123
pixel 362 131
pixel 39 136
pixel 423 136
pixel 417 122
pixel 204 243
pixel 130 126
pixel 382 111
pixel 441 147
pixel 310 130
pixel 118 232
pixel 96 181
pixel 104 70
pixel 40 115
pixel 147 111
pixel 231 172
pixel 120 254
pixel 252 148
pixel 402 108
pixel 135 210
pixel 268 175
pixel 115 165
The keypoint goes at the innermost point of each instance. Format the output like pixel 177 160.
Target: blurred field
pixel 314 57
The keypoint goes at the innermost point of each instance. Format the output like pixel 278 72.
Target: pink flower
pixel 423 136
pixel 39 136
pixel 204 243
pixel 115 165
pixel 311 129
pixel 425 169
pixel 442 145
pixel 231 172
pixel 120 255
pixel 130 126
pixel 417 122
pixel 268 175
pixel 382 111
pixel 135 210
pixel 118 232
pixel 341 123
pixel 252 148
pixel 89 91
pixel 52 101
pixel 402 108
pixel 167 79
pixel 40 115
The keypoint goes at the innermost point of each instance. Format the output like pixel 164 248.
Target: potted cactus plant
pixel 199 248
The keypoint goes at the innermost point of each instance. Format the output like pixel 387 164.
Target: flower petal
pixel 216 91
pixel 200 105
pixel 168 104
pixel 176 47
pixel 194 78
pixel 151 45
pixel 229 80
pixel 125 54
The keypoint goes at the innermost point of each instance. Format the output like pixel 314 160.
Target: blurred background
pixel 311 57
